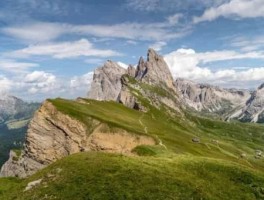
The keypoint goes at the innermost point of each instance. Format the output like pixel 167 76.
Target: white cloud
pixel 186 63
pixel 94 61
pixel 41 82
pixel 5 85
pixel 174 19
pixel 158 45
pixel 121 64
pixel 16 67
pixel 248 44
pixel 233 9
pixel 37 32
pixel 131 31
pixel 82 82
pixel 63 50
pixel 171 5
pixel 146 5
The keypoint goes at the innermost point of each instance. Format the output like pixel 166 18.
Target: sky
pixel 50 48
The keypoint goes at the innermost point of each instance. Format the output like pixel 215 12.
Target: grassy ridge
pixel 176 134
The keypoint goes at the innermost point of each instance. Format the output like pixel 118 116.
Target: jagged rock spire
pixel 155 70
pixel 131 71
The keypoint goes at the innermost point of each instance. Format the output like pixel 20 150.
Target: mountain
pixel 241 105
pixel 106 82
pixel 137 142
pixel 14 117
pixel 253 110
pixel 13 108
pixel 211 99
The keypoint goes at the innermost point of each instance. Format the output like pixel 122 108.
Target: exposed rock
pixel 106 83
pixel 53 135
pixel 141 69
pixel 196 140
pixel 204 97
pixel 126 98
pixel 118 141
pixel 253 110
pixel 243 155
pixel 258 153
pixel 131 71
pixel 154 71
pixel 32 184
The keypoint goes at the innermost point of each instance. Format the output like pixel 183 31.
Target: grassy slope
pixel 176 133
pixel 109 176
pixel 182 170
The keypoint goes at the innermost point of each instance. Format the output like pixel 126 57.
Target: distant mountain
pixel 14 117
pixel 253 110
pixel 13 108
pixel 210 99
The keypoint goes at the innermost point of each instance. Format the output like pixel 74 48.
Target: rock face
pixel 204 97
pixel 154 71
pixel 106 83
pixel 53 135
pixel 253 110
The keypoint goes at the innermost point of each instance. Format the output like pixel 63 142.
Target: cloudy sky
pixel 49 48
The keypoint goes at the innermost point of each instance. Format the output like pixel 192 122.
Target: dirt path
pixel 141 123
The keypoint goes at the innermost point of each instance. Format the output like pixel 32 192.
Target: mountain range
pixel 140 134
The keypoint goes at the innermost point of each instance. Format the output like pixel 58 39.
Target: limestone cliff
pixel 106 83
pixel 53 135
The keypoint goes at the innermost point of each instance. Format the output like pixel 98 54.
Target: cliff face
pixel 53 135
pixel 106 83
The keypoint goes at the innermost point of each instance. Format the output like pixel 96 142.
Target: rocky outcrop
pixel 106 83
pixel 154 71
pixel 253 110
pixel 131 71
pixel 53 135
pixel 116 141
pixel 204 97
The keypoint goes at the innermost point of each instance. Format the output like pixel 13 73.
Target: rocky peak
pixel 131 71
pixel 141 69
pixel 152 55
pixel 155 70
pixel 106 83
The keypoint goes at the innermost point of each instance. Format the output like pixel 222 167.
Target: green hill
pixel 110 176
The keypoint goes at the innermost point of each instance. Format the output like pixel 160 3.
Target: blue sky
pixel 50 48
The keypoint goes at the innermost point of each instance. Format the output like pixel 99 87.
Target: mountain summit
pixel 107 85
pixel 154 71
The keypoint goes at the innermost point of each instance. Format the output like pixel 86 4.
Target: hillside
pixel 111 176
